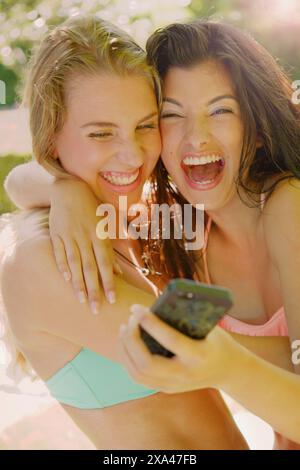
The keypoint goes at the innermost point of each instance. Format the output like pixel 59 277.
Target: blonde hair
pixel 84 45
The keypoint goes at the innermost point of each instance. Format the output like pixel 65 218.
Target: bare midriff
pixel 184 421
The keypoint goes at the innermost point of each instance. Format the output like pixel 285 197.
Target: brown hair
pixel 265 97
pixel 84 45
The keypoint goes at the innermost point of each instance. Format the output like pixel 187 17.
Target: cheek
pixel 80 162
pixel 171 141
pixel 74 153
pixel 236 145
pixel 171 164
pixel 230 136
pixel 171 138
pixel 156 146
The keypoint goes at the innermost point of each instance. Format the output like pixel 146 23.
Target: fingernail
pixel 118 268
pixel 67 276
pixel 131 321
pixel 81 297
pixel 95 308
pixel 111 297
pixel 138 309
pixel 122 330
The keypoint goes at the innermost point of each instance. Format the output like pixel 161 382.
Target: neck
pixel 237 223
pixel 123 241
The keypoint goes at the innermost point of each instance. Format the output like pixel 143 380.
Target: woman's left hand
pixel 197 363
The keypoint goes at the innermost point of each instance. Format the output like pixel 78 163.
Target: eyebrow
pixel 112 124
pixel 214 100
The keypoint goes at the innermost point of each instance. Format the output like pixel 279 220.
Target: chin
pixel 130 199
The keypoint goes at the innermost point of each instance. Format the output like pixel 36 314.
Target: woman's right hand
pixel 80 255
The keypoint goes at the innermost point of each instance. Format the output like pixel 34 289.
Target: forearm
pixel 29 186
pixel 49 304
pixel 267 391
pixel 274 349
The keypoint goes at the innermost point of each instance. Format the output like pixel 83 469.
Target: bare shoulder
pixel 286 196
pixel 26 253
pixel 38 299
pixel 28 281
pixel 25 243
pixel 281 220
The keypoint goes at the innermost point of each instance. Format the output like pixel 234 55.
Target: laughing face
pixel 110 138
pixel 202 133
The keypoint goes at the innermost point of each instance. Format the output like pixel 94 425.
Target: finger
pixel 136 375
pixel 112 256
pixel 139 310
pixel 60 257
pixel 91 277
pixel 131 368
pixel 147 363
pixel 75 264
pixel 105 266
pixel 117 268
pixel 166 335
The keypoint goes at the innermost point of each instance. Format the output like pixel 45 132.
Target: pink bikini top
pixel 275 326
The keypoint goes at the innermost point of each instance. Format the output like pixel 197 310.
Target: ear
pixel 55 154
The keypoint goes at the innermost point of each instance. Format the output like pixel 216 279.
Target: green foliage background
pixel 274 23
pixel 7 163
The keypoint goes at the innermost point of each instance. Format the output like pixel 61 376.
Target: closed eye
pixel 100 135
pixel 169 115
pixel 221 111
pixel 147 126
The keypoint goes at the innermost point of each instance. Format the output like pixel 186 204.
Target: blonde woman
pixel 234 114
pixel 93 103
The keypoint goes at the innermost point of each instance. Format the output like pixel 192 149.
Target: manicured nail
pixel 95 308
pixel 139 309
pixel 132 321
pixel 67 276
pixel 122 330
pixel 111 297
pixel 117 268
pixel 81 297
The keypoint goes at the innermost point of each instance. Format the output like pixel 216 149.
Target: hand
pixel 80 255
pixel 197 363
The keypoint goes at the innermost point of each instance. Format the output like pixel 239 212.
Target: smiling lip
pixel 122 188
pixel 210 183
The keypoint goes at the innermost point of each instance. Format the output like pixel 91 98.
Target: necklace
pixel 146 270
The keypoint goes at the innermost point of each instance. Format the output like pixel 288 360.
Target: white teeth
pixel 193 161
pixel 205 182
pixel 120 180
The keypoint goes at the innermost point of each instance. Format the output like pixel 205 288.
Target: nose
pixel 198 133
pixel 131 153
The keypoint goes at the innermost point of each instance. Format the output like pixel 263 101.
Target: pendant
pixel 145 271
pixel 148 269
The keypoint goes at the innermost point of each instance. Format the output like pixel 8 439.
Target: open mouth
pixel 203 171
pixel 119 178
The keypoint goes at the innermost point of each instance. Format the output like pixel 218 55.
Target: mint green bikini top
pixel 92 381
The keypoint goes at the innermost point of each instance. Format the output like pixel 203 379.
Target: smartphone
pixel 193 308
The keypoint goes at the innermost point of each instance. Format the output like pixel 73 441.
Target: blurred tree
pixel 23 24
pixel 10 78
pixel 275 23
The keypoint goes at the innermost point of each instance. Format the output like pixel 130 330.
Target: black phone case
pixel 191 307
